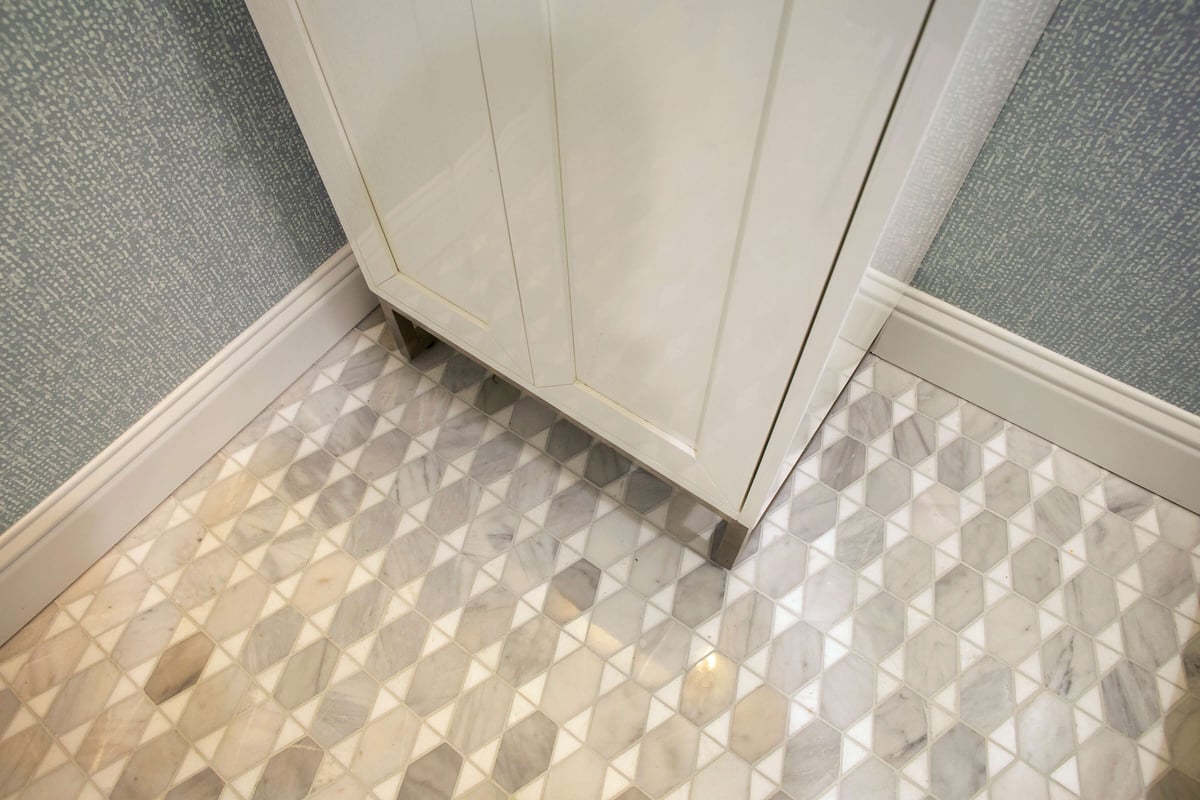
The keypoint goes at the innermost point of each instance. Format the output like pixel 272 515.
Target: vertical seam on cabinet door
pixel 562 191
pixel 487 102
pixel 887 120
pixel 785 16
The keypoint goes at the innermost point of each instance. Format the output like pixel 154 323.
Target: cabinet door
pixel 405 82
pixel 709 157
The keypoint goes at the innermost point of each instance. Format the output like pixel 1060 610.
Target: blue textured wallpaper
pixel 1078 227
pixel 158 198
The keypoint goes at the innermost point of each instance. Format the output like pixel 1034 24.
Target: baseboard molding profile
pixel 65 534
pixel 1112 424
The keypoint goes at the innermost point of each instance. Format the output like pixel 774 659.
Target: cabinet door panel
pixel 405 78
pixel 710 157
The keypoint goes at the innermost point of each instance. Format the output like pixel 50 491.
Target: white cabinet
pixel 631 208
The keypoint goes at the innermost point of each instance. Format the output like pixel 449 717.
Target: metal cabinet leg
pixel 410 339
pixel 726 543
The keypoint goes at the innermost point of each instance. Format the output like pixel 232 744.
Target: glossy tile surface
pixel 408 581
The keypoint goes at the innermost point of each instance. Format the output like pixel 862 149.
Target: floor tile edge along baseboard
pixel 1110 423
pixel 65 534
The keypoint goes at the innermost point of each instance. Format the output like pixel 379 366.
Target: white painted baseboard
pixel 1112 424
pixel 55 542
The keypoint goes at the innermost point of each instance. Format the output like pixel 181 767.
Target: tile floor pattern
pixel 410 581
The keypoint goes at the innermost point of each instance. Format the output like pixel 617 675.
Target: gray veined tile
pixel 572 685
pixel 959 463
pixel 795 657
pixel 1090 600
pixel 930 659
pixel 385 745
pixel 1125 498
pixel 81 697
pixel 842 463
pixel 1108 767
pixel 687 518
pixel 1148 632
pixel 644 492
pixel 10 704
pixel 699 594
pixel 1182 729
pixel 179 667
pixel 580 776
pixel 383 455
pixel 146 634
pixel 979 424
pixel 363 367
pixel 461 373
pixel 418 479
pixel 151 768
pixel 1130 699
pixel 1023 781
pixel 847 690
pixel 393 389
pixel 619 719
pixel 879 626
pixel 530 562
pixel 870 780
pixel 305 476
pixel 225 498
pixel 571 509
pixel 204 578
pixel 432 776
pixel 289 773
pixel 274 452
pixel 1035 570
pixel 1110 544
pixel 20 755
pixel 437 679
pixel 213 702
pixel 271 639
pixel 661 654
pixel 914 439
pixel 452 506
pixel 1025 448
pixel 359 613
pixel 344 709
pixel 1056 515
pixel 1177 525
pixel 426 411
pixel 935 514
pixel 958 764
pixel 338 502
pixel 984 540
pixel 119 601
pixel 1191 664
pixel 36 629
pixel 616 622
pixel 811 761
pixel 860 539
pixel 397 646
pixel 745 625
pixel 1167 573
pixel 530 416
pixel 374 528
pixel 525 751
pixel 486 618
pixel 708 688
pixel 908 568
pixel 667 756
pixel 869 416
pixel 828 596
pixel 566 441
pixel 491 533
pixel 1068 663
pixel 572 591
pixel 307 673
pixel 528 650
pixel 604 465
pixel 237 607
pixel 533 482
pixel 933 401
pixel 50 663
pixel 116 731
pixel 479 715
pixel 446 587
pixel 495 394
pixel 408 557
pixel 901 729
pixel 781 566
pixel 1045 732
pixel 289 553
pixel 813 512
pixel 351 430
pixel 495 458
pixel 612 537
pixel 460 434
pixel 1006 489
pixel 759 723
pixel 1011 629
pixel 958 597
pixel 175 547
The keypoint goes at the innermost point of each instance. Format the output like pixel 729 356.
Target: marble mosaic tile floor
pixel 409 581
